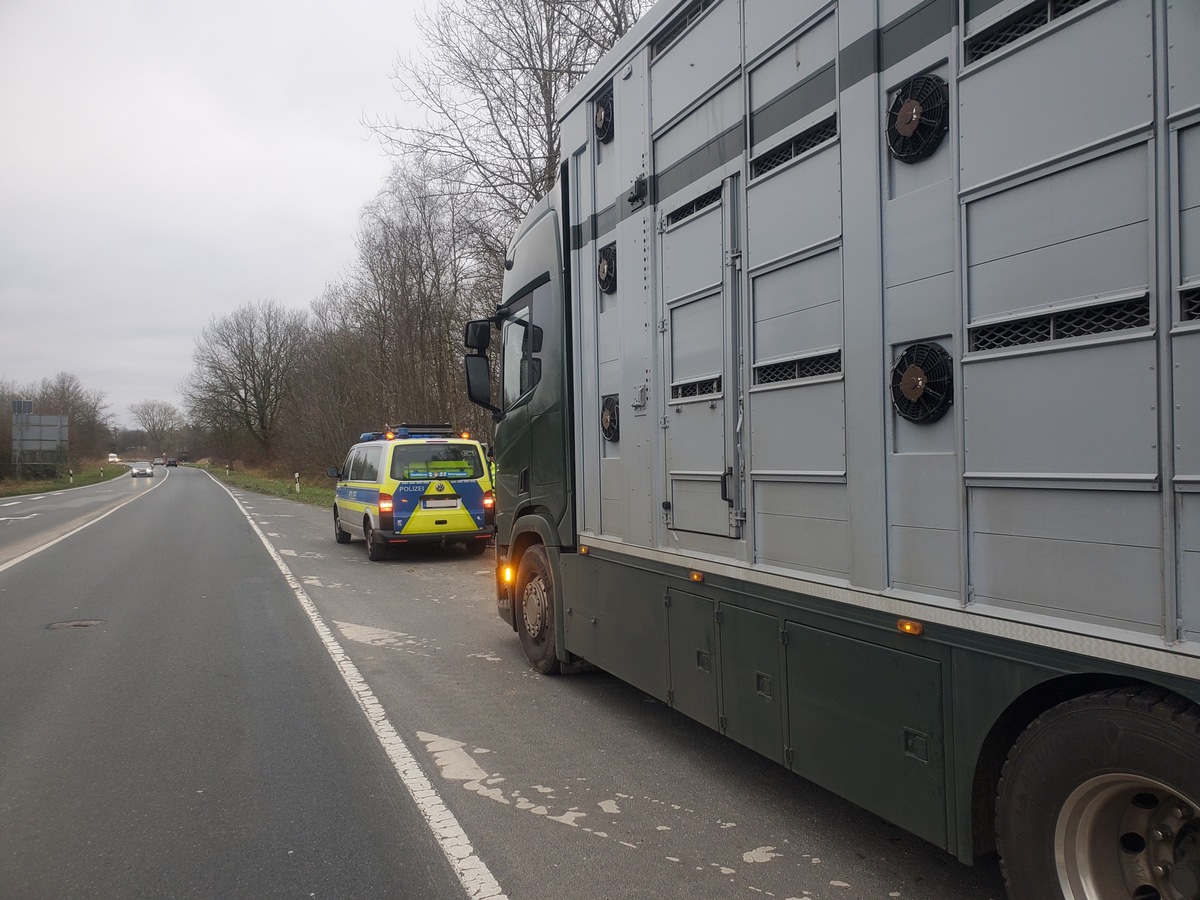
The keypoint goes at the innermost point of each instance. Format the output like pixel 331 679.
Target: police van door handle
pixel 725 485
pixel 523 481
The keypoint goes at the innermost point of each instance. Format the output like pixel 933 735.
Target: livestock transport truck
pixel 848 403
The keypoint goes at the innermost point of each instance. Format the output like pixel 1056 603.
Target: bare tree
pixel 385 342
pixel 242 369
pixel 86 410
pixel 160 421
pixel 490 84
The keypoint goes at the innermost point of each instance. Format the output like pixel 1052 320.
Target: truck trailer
pixel 847 403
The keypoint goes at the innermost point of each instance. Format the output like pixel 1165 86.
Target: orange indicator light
pixel 583 551
pixel 507 574
pixel 909 626
pixel 696 576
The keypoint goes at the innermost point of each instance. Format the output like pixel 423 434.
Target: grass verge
pixel 277 485
pixel 87 472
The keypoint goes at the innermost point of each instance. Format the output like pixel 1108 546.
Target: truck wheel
pixel 535 610
pixel 1100 799
pixel 342 537
pixel 376 550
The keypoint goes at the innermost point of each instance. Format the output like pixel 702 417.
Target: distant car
pixel 158 460
pixel 113 458
pixel 141 467
pixel 172 461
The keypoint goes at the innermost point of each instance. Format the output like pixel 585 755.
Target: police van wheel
pixel 476 547
pixel 376 550
pixel 342 537
pixel 535 610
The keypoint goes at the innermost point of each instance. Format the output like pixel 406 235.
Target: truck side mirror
pixel 477 334
pixel 479 383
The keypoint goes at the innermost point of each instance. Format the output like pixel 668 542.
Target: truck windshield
pixel 425 462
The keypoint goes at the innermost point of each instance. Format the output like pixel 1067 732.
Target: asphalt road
pixel 262 712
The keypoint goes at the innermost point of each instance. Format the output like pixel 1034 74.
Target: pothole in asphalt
pixel 77 623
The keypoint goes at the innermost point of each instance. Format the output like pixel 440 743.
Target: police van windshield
pixel 424 462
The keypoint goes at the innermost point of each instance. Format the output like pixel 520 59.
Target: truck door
pixel 698 249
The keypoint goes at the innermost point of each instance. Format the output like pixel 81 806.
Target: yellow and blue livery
pixel 414 484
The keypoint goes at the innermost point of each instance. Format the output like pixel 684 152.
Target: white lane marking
pixel 14 503
pixel 62 537
pixel 18 518
pixel 474 875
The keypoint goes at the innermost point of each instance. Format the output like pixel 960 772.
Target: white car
pixel 141 467
pixel 113 458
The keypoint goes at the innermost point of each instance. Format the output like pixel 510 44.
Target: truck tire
pixel 342 537
pixel 534 601
pixel 376 550
pixel 1100 799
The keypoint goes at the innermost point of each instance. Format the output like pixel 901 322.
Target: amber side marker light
pixel 909 626
pixel 583 551
pixel 506 575
pixel 696 576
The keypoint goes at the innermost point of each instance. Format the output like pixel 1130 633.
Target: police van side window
pixel 370 468
pixel 354 468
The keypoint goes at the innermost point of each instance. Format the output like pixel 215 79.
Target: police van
pixel 414 484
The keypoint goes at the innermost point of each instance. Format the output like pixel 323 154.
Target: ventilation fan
pixel 923 383
pixel 918 118
pixel 610 417
pixel 604 117
pixel 606 271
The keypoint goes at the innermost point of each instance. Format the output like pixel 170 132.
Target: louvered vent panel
pixel 818 134
pixel 690 209
pixel 679 26
pixel 1189 302
pixel 796 369
pixel 1067 324
pixel 1016 26
pixel 699 388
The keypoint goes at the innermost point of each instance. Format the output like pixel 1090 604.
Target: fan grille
pixel 923 383
pixel 606 268
pixel 604 117
pixel 610 417
pixel 918 118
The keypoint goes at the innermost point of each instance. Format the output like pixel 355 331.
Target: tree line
pixel 383 343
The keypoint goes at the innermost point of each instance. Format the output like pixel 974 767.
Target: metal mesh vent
pixel 1068 324
pixel 1016 26
pixel 690 209
pixel 700 388
pixel 812 137
pixel 679 26
pixel 795 369
pixel 1189 303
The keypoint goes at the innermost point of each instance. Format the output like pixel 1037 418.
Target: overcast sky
pixel 165 161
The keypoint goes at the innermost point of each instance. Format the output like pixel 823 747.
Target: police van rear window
pixel 426 462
